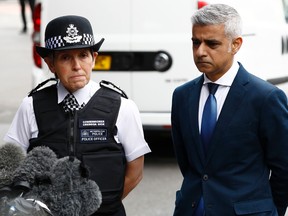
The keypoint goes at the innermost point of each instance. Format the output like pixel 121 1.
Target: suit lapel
pixel 233 100
pixel 194 96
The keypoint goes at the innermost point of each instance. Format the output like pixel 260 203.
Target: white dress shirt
pixel 224 83
pixel 130 131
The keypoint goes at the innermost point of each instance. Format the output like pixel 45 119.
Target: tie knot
pixel 70 99
pixel 71 104
pixel 212 88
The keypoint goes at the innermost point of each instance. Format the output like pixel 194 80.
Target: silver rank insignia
pixel 72 35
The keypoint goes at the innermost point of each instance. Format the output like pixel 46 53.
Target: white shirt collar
pixel 82 95
pixel 228 78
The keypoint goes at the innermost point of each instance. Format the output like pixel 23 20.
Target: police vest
pixel 87 134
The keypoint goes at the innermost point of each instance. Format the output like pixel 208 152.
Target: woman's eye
pixel 65 57
pixel 84 54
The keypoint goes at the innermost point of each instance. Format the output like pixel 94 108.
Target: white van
pixel 147 50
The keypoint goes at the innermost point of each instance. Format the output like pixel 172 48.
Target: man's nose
pixel 201 50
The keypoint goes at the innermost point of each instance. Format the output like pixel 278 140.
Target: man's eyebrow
pixel 195 39
pixel 212 40
pixel 206 40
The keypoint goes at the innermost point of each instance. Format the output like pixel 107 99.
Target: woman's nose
pixel 76 63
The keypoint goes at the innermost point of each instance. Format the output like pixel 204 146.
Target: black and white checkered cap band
pixel 88 39
pixel 57 41
pixel 54 42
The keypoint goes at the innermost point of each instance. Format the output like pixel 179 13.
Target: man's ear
pixel 49 61
pixel 236 44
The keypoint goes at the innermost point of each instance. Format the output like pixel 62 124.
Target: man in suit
pixel 239 167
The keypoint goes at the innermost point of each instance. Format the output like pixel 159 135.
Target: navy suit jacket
pixel 250 140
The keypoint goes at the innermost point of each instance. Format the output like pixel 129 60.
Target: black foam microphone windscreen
pixel 11 156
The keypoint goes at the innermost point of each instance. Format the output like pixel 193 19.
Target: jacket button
pixel 193 204
pixel 205 177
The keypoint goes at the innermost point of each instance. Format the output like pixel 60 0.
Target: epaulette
pixel 113 87
pixel 41 84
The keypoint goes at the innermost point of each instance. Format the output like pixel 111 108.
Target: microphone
pixel 62 184
pixel 11 156
pixel 37 162
pixel 70 192
pixel 12 203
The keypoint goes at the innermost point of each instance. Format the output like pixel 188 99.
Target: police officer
pixel 78 117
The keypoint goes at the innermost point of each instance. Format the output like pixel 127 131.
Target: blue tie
pixel 209 119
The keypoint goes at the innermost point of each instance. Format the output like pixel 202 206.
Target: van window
pixel 285 5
